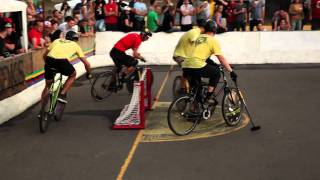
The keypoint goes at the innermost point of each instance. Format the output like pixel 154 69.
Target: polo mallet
pixel 254 127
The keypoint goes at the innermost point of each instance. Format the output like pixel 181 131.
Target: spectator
pixel 230 15
pixel 1 17
pixel 306 12
pixel 3 35
pixel 186 11
pixel 168 21
pixel 218 19
pixel 99 14
pixel 65 10
pixel 296 15
pixel 111 18
pixel 283 26
pixel 31 11
pixel 260 27
pixel 79 6
pixel 240 16
pixel 51 31
pixel 76 16
pixel 57 15
pixel 257 13
pixel 166 6
pixel 201 10
pixel 69 25
pixel 315 14
pixel 278 16
pixel 140 10
pixel 85 28
pixel 125 24
pixel 153 22
pixel 35 35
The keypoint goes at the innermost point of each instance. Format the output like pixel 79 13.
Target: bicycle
pixel 112 81
pixel 53 108
pixel 189 108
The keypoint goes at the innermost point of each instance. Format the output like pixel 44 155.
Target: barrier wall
pixel 238 47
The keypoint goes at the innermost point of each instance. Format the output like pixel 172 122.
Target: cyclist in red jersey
pixel 130 41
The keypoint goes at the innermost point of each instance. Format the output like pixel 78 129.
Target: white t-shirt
pixel 65 28
pixel 185 20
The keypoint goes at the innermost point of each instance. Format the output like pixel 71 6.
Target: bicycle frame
pixel 54 91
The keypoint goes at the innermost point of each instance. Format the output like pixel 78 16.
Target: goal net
pixel 132 115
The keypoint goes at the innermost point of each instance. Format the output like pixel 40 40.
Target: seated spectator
pixel 140 11
pixel 99 13
pixel 3 35
pixel 124 20
pixel 261 27
pixel 168 21
pixel 218 19
pixel 35 35
pixel 186 10
pixel 278 16
pixel 296 15
pixel 283 26
pixel 69 25
pixel 153 22
pixel 65 10
pixel 12 41
pixel 85 29
pixel 111 18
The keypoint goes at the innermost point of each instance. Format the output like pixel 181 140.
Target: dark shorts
pixel 121 58
pixel 62 66
pixel 211 71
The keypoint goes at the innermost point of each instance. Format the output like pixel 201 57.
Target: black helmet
pixel 210 26
pixel 72 36
pixel 146 33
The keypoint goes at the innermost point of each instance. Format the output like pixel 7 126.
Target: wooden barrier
pixel 15 70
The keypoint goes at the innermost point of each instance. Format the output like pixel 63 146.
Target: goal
pixel 132 115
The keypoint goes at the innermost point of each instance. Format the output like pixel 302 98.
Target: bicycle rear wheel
pixel 103 86
pixel 45 115
pixel 231 107
pixel 183 115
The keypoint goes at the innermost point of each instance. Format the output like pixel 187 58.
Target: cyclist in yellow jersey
pixel 57 59
pixel 199 63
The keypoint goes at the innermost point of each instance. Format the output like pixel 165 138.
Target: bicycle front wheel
pixel 231 107
pixel 103 86
pixel 183 115
pixel 45 115
pixel 58 111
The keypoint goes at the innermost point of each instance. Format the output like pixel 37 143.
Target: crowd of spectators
pixel 90 16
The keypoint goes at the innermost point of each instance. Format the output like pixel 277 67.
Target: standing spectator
pixel 57 15
pixel 76 16
pixel 65 10
pixel 35 35
pixel 200 10
pixel 111 18
pixel 12 41
pixel 31 11
pixel 54 32
pixel 99 14
pixel 230 15
pixel 218 19
pixel 257 13
pixel 125 22
pixel 153 22
pixel 296 15
pixel 240 16
pixel 186 10
pixel 306 12
pixel 140 10
pixel 315 14
pixel 69 25
pixel 168 21
pixel 278 16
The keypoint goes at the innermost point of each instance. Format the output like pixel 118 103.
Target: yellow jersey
pixel 205 46
pixel 64 49
pixel 186 43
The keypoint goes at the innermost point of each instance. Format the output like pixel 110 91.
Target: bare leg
pixel 69 83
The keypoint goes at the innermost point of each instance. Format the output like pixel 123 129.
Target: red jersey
pixel 315 6
pixel 111 7
pixel 130 41
pixel 34 33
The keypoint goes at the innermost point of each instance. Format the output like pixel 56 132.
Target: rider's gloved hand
pixel 89 75
pixel 233 75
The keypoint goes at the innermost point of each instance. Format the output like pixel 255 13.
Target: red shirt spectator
pixel 35 35
pixel 111 10
pixel 130 41
pixel 315 8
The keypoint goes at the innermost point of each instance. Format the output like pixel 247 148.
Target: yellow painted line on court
pixel 134 147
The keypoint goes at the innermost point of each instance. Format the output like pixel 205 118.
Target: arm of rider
pixel 137 55
pixel 87 66
pixel 225 63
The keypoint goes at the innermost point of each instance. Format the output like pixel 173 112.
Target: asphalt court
pixel 285 102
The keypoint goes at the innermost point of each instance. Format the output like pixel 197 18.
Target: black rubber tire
pixel 99 88
pixel 232 107
pixel 58 110
pixel 45 117
pixel 177 116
